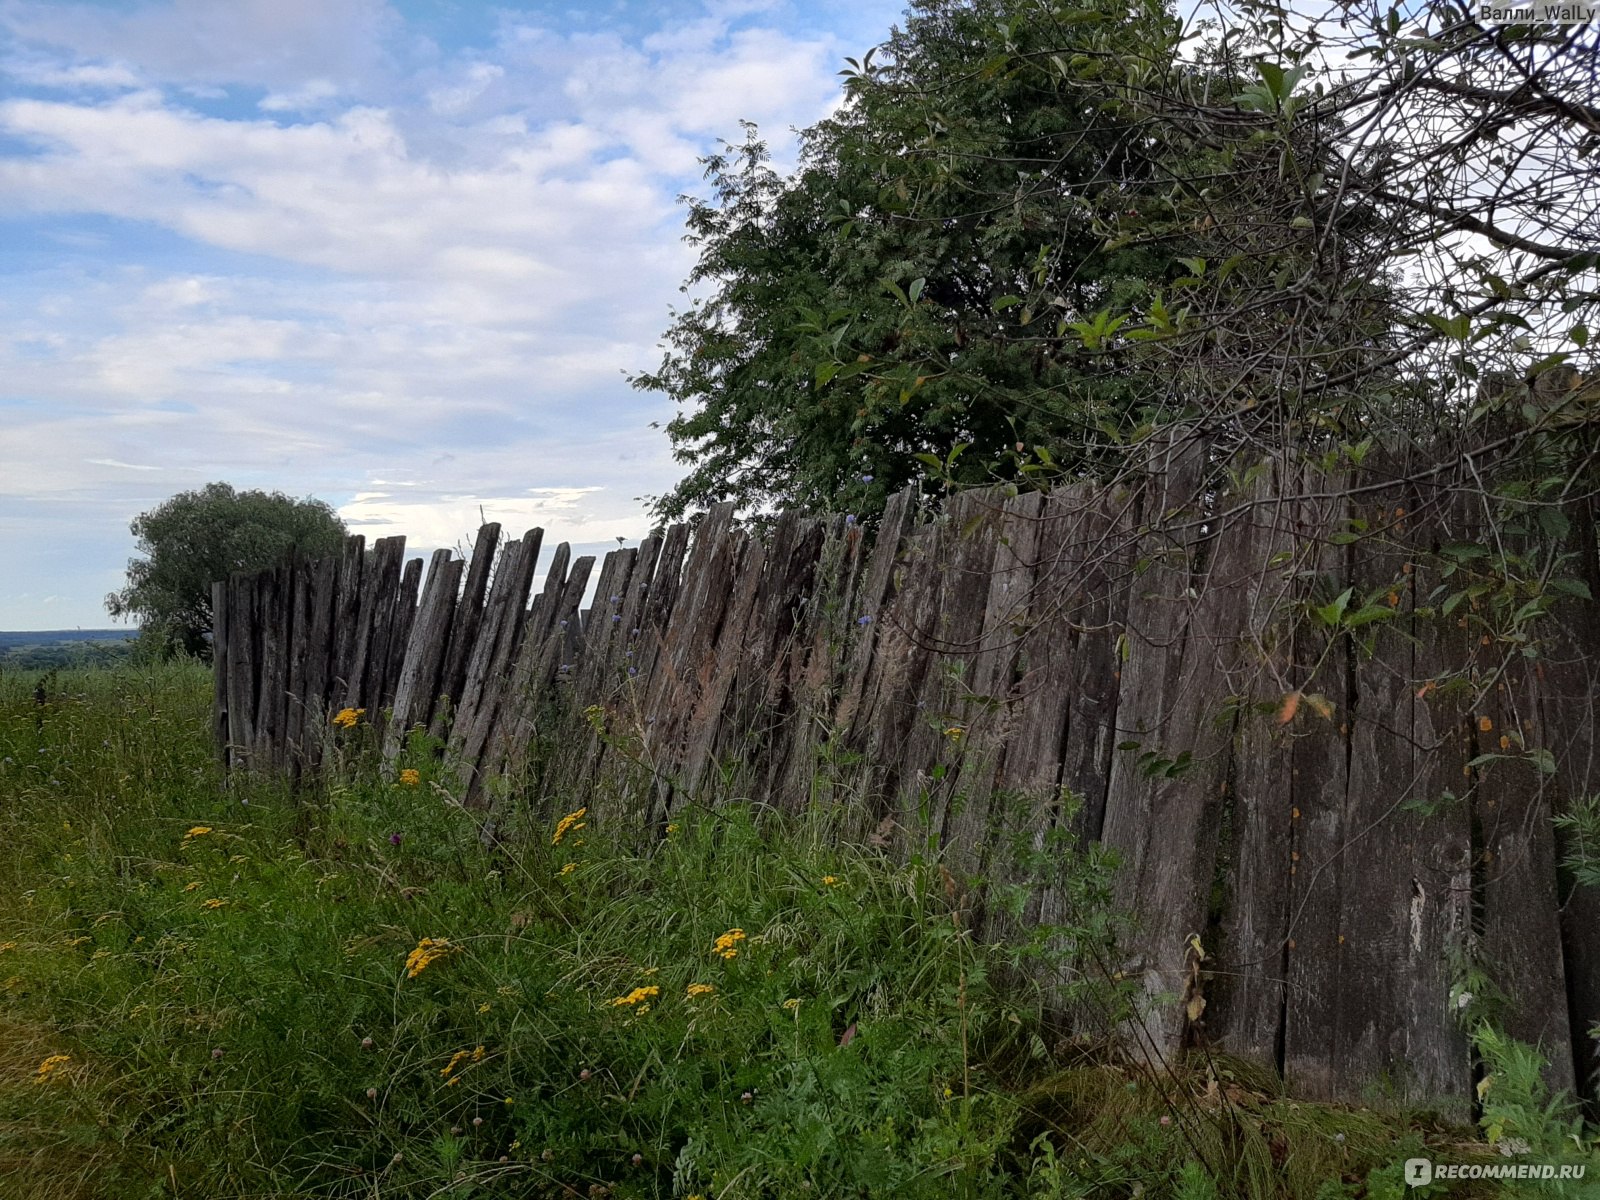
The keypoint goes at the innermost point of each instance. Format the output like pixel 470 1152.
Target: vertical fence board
pixel 417 687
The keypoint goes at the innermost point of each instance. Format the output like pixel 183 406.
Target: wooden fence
pixel 1326 749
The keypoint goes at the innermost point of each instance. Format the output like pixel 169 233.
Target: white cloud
pixel 401 264
pixel 278 44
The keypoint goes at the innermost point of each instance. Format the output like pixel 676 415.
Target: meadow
pixel 219 988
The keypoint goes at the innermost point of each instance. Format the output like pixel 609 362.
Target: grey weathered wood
pixel 498 639
pixel 346 619
pixel 219 671
pixel 321 644
pixel 380 582
pixel 422 666
pixel 1244 987
pixel 294 732
pixel 391 646
pixel 1159 825
pixel 1337 853
pixel 243 666
pixel 1568 672
pixel 468 616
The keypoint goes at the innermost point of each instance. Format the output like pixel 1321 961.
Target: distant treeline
pixel 34 650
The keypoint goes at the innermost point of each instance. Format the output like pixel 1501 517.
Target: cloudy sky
pixel 397 256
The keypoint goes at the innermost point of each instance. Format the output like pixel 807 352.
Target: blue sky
pixel 398 256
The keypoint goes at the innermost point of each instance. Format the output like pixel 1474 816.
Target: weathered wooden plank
pixel 997 599
pixel 1521 943
pixel 716 672
pixel 272 699
pixel 1244 984
pixel 321 644
pixel 1568 673
pixel 1319 758
pixel 242 667
pixel 379 584
pixel 1385 885
pixel 1161 808
pixel 1438 833
pixel 469 615
pixel 687 640
pixel 219 671
pixel 397 635
pixel 346 619
pixel 498 639
pixel 295 709
pixel 422 667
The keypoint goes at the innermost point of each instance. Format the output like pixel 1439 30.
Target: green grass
pixel 226 964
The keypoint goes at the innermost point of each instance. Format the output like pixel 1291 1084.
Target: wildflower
pixel 396 838
pixel 640 996
pixel 484 1007
pixel 410 777
pixel 954 733
pixel 727 944
pixel 197 831
pixel 866 479
pixel 672 828
pixel 572 821
pixel 477 1122
pixel 849 518
pixel 428 950
pixel 189 887
pixel 216 1053
pixel 366 1043
pixel 830 880
pixel 455 1060
pixel 700 989
pixel 791 1005
pixel 568 869
pixel 348 718
pixel 214 903
pixel 863 620
pixel 50 1065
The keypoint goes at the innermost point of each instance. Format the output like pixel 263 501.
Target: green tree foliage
pixel 874 306
pixel 198 537
pixel 1038 229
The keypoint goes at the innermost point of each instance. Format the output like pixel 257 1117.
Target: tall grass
pixel 354 991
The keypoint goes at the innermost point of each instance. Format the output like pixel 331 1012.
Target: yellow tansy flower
pixel 640 996
pixel 410 777
pixel 213 903
pixel 348 718
pixel 428 950
pixel 197 831
pixel 572 821
pixel 700 989
pixel 50 1065
pixel 727 944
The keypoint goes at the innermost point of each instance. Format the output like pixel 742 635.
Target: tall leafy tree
pixel 881 303
pixel 1038 229
pixel 201 536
